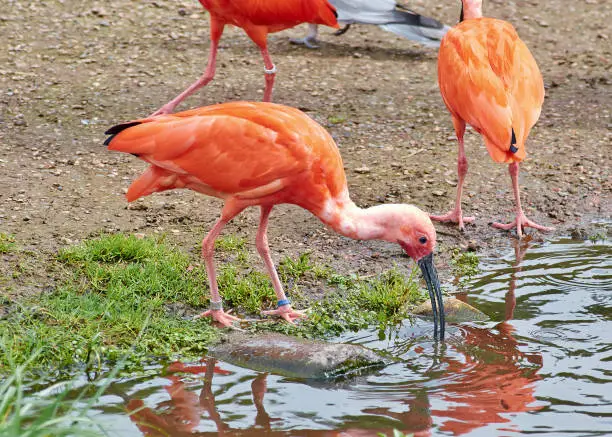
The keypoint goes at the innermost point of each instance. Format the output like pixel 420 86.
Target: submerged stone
pixel 456 311
pixel 295 357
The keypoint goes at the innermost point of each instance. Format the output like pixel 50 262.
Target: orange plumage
pixel 258 18
pixel 489 79
pixel 246 151
pixel 266 154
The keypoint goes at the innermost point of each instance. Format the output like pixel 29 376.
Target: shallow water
pixel 544 366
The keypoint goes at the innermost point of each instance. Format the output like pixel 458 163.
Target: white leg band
pixel 216 306
pixel 270 71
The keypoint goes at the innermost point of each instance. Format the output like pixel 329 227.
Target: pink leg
pixel 207 398
pixel 208 253
pixel 310 40
pixel 270 72
pixel 521 220
pixel 284 310
pixel 215 34
pixel 455 215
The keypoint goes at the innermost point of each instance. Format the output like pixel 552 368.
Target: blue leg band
pixel 282 302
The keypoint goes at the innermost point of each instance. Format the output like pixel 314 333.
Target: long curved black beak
pixel 435 293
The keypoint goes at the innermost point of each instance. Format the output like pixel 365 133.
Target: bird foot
pixel 286 312
pixel 454 216
pixel 308 42
pixel 519 223
pixel 219 316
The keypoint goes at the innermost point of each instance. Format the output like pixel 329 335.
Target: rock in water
pixel 295 357
pixel 456 311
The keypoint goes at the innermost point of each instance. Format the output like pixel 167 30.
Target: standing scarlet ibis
pixel 489 79
pixel 258 19
pixel 264 154
pixel 387 14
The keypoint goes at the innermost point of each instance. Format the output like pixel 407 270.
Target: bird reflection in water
pixel 486 378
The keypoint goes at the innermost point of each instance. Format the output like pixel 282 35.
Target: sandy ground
pixel 69 70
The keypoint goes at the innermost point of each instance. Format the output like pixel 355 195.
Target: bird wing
pixel 241 149
pixel 365 11
pixel 277 12
pixel 481 80
pixel 528 91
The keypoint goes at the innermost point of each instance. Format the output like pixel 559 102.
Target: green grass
pixel 230 243
pixel 351 303
pixel 113 285
pixel 597 236
pixel 336 119
pixel 7 243
pixel 26 411
pixel 396 433
pixel 465 265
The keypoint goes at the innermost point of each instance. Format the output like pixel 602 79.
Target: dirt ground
pixel 70 69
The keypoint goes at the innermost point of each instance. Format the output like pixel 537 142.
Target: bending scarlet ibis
pixel 258 19
pixel 489 79
pixel 264 154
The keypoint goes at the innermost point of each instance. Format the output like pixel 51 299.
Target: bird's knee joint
pixel 262 246
pixel 208 249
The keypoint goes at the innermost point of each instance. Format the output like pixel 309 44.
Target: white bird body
pixel 389 16
pixel 364 11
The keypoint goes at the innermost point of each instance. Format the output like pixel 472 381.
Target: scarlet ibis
pixel 489 79
pixel 265 154
pixel 258 19
pixel 384 13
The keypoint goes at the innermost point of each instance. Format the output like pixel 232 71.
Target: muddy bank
pixel 71 69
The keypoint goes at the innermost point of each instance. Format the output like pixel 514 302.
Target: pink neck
pixel 347 219
pixel 472 9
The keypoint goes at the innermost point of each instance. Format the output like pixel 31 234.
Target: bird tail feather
pixel 153 180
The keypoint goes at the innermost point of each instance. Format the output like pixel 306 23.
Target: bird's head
pixel 412 229
pixel 408 226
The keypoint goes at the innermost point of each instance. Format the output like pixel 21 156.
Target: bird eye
pixel 423 240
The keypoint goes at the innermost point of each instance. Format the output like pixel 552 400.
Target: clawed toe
pixel 453 216
pixel 221 317
pixel 286 312
pixel 520 223
pixel 310 43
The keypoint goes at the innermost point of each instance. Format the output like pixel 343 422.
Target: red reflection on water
pixel 490 382
pixel 179 415
pixel 495 381
pixel 486 379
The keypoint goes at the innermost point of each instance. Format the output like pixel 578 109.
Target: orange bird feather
pixel 489 80
pixel 264 154
pixel 258 18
